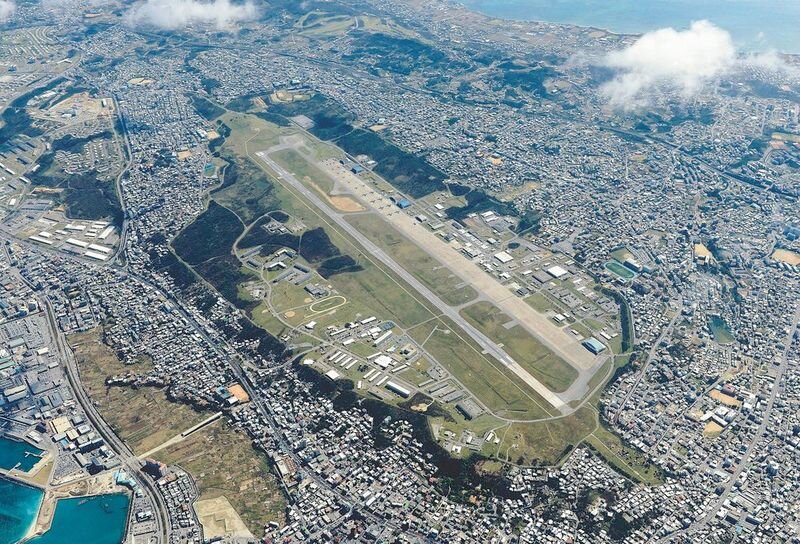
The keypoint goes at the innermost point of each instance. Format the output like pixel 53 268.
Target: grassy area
pixel 246 189
pixel 304 171
pixel 262 317
pixel 428 270
pixel 626 460
pixel 531 354
pixel 543 303
pixel 143 417
pixel 546 442
pixel 221 460
pixel 488 379
pixel 383 294
pixel 539 302
pixel 372 290
pixel 321 24
pixel 594 324
pixel 479 427
pixel 375 290
pixel 223 463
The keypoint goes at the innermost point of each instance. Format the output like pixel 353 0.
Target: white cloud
pixel 767 60
pixel 174 14
pixel 679 60
pixel 7 8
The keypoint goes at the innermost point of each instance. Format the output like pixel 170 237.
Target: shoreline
pixel 46 452
pixel 619 34
pixel 17 481
pixel 497 18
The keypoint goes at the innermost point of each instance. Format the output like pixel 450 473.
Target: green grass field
pixel 533 356
pixel 304 171
pixel 620 270
pixel 546 442
pixel 487 378
pixel 626 460
pixel 428 270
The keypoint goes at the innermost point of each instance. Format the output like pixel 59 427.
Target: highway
pixel 489 346
pixel 127 459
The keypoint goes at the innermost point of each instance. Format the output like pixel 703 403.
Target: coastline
pixel 4 475
pixel 39 477
pixel 29 477
pixel 495 19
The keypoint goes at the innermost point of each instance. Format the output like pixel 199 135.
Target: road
pixel 127 153
pixel 650 355
pixel 757 436
pixel 256 399
pixel 762 429
pixel 127 459
pixel 373 250
pixel 130 461
pixel 178 438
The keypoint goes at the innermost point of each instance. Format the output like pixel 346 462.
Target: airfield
pixel 359 206
pixel 485 328
pixel 352 197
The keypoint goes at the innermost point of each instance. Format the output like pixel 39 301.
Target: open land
pixel 221 459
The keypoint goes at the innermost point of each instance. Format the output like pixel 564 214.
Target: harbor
pixel 97 519
pixel 18 455
pixel 36 509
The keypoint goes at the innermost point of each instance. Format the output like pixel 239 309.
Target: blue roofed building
pixel 594 345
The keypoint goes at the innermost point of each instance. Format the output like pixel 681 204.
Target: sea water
pixel 100 519
pixel 755 25
pixel 14 453
pixel 19 506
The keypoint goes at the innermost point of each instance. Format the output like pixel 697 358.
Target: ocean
pixel 755 25
pixel 100 519
pixel 19 506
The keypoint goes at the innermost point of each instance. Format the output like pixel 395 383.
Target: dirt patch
pixel 786 256
pixel 727 400
pixel 143 417
pixel 712 429
pixel 346 204
pixel 219 519
pixel 224 464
